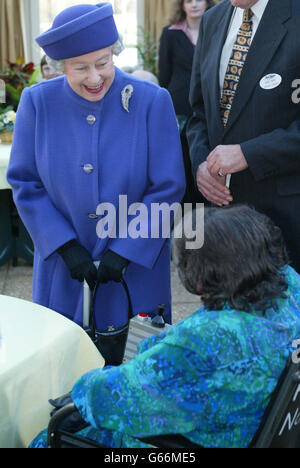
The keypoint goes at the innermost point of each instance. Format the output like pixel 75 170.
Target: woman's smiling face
pixel 91 75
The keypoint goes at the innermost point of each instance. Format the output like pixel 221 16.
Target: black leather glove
pixel 79 262
pixel 72 423
pixel 112 267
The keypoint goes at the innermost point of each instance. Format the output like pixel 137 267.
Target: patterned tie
pixel 236 63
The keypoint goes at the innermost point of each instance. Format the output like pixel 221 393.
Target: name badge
pixel 271 81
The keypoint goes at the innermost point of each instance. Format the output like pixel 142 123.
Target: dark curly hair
pixel 241 261
pixel 178 14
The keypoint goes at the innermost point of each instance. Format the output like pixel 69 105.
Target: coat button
pixel 88 168
pixel 91 119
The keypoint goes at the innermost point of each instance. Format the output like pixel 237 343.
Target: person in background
pixel 47 72
pixel 141 73
pixel 80 142
pixel 211 376
pixel 145 75
pixel 176 52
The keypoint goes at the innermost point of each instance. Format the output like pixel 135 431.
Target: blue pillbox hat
pixel 79 30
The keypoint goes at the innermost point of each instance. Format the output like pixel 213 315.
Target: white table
pixel 4 160
pixel 42 355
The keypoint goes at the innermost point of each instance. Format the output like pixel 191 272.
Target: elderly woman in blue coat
pixel 82 142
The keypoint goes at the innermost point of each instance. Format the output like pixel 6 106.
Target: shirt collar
pixel 183 26
pixel 259 8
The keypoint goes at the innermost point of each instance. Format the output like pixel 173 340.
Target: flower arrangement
pixel 16 77
pixel 7 121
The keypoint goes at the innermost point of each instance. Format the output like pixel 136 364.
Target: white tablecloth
pixel 42 355
pixel 4 160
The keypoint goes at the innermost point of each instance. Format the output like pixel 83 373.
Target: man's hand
pixel 227 159
pixel 212 188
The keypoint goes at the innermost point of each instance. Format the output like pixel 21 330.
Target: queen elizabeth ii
pixel 83 139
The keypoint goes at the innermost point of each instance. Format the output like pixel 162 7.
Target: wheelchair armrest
pixel 55 421
pixel 58 438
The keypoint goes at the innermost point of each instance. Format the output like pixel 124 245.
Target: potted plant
pixel 16 77
pixel 7 121
pixel 147 51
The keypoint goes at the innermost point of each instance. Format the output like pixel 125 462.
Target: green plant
pixel 148 51
pixel 16 76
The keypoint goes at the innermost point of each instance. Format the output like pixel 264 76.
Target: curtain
pixel 11 37
pixel 156 17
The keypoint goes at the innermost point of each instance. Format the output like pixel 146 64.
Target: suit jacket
pixel 266 122
pixel 175 68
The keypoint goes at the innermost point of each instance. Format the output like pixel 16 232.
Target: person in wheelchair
pixel 210 377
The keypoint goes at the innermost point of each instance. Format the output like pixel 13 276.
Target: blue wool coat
pixel 58 135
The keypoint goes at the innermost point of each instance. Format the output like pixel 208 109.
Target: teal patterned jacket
pixel 209 378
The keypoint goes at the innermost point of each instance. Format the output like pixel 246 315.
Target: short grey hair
pixel 58 65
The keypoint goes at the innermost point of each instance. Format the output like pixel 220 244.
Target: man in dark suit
pixel 244 135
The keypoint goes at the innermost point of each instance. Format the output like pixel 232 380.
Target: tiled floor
pixel 16 282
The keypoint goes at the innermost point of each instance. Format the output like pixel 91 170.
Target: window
pixel 126 17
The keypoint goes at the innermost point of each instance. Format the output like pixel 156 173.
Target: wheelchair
pixel 279 428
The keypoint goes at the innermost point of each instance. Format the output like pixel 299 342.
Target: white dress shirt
pixel 236 22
